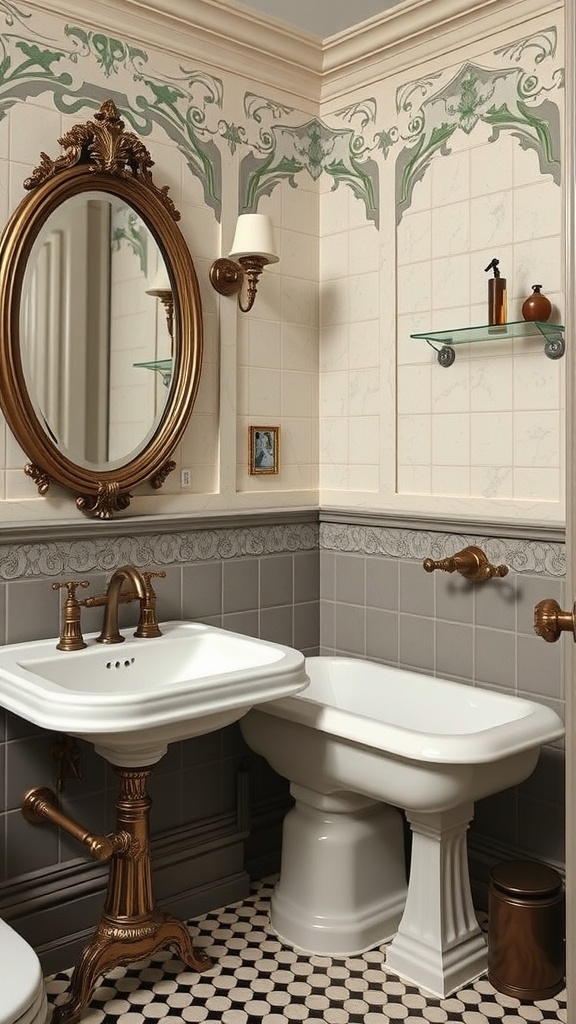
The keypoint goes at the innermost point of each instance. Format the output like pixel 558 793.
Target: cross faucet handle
pixel 71 638
pixel 147 625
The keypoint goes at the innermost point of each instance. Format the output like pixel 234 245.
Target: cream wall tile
pixel 264 343
pixel 422 194
pixel 450 439
pixel 539 484
pixel 299 301
pixel 414 389
pixel 537 211
pixel 334 304
pixel 364 478
pixel 492 166
pixel 363 393
pixel 265 390
pixel 333 477
pixel 491 439
pixel 450 178
pixel 414 237
pixel 536 439
pixel 537 261
pixel 363 440
pixel 492 481
pixel 333 212
pixel 451 480
pixel 334 256
pixel 492 222
pixel 364 296
pixel 296 393
pixel 491 384
pixel 363 344
pixel 414 440
pixel 334 394
pixel 334 347
pixel 334 439
pixel 364 249
pixel 536 382
pixel 34 130
pixel 451 229
pixel 414 479
pixel 526 166
pixel 299 255
pixel 450 281
pixel 299 348
pixel 451 386
pixel 305 211
pixel 414 288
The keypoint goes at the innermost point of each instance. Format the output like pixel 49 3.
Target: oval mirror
pixel 101 345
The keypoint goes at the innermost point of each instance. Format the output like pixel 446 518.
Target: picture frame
pixel 263 449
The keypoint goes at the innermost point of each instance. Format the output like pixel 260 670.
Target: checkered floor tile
pixel 257 979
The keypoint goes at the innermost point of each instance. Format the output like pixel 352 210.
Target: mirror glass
pixel 96 344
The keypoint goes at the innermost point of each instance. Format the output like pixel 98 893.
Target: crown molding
pixel 307 70
pixel 409 33
pixel 232 40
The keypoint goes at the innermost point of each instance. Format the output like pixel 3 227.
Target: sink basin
pixel 131 699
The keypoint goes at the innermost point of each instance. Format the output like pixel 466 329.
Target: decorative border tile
pixel 521 555
pixel 19 561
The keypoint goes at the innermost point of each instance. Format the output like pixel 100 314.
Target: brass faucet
pixel 142 591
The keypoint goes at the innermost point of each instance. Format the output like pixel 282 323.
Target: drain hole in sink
pixel 126 663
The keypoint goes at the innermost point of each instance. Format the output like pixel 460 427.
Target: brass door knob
pixel 550 620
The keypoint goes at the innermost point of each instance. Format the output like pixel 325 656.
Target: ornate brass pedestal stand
pixel 131 927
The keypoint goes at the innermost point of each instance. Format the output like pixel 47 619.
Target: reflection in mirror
pixel 89 320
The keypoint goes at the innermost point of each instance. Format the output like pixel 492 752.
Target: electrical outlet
pixel 185 478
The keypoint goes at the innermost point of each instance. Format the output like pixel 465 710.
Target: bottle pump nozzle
pixel 493 265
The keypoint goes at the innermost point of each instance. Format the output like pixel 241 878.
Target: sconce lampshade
pixel 161 281
pixel 254 237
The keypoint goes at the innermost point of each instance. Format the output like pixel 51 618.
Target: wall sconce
pixel 253 247
pixel 162 289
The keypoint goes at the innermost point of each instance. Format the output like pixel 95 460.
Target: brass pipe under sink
pixel 131 926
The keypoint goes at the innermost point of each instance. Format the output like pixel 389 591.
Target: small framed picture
pixel 263 449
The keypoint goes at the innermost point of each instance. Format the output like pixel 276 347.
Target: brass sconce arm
pixel 471 563
pixel 228 278
pixel 41 804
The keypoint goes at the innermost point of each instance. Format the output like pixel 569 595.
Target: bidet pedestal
pixel 342 882
pixel 439 945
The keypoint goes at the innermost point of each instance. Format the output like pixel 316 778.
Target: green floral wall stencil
pixel 508 99
pixel 31 64
pixel 282 152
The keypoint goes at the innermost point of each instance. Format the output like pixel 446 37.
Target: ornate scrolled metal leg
pixel 131 927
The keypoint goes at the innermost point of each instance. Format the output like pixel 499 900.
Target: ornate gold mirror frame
pixel 98 155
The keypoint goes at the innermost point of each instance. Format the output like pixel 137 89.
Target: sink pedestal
pixel 131 927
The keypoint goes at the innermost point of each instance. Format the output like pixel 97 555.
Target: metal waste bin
pixel 526 927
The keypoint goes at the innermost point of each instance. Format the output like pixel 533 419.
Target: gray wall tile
pixel 540 667
pixel 350 629
pixel 307 625
pixel 495 657
pixel 306 576
pixel 328 575
pixel 240 582
pixel 382 635
pixel 416 642
pixel 496 603
pixel 202 590
pixel 276 624
pixel 416 589
pixel 29 847
pixel 454 650
pixel 32 611
pixel 351 579
pixel 276 580
pixel 454 598
pixel 382 582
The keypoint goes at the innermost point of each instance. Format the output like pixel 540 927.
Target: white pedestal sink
pixel 131 700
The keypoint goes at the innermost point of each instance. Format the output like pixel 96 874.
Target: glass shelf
pixel 162 366
pixel 443 341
